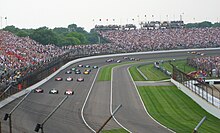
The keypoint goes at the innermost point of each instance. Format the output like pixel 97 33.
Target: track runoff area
pixel 55 113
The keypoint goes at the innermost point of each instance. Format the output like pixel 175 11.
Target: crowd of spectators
pixel 209 64
pixel 20 55
pixel 160 39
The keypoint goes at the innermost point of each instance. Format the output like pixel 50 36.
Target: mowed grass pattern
pixel 177 111
pixel 121 130
pixel 152 73
pixel 135 74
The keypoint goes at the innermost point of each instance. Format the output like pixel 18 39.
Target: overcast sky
pixel 60 13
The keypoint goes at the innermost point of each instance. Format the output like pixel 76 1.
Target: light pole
pixel 8 115
pixel 109 118
pixel 40 126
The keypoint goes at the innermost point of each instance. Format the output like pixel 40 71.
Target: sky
pixel 87 13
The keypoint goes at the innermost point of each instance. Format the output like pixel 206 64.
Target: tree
pixel 44 36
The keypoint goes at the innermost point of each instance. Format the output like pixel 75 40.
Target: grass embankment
pixel 135 74
pixel 105 72
pixel 121 130
pixel 152 73
pixel 175 110
pixel 155 74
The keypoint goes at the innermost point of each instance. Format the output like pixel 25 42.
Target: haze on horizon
pixel 87 13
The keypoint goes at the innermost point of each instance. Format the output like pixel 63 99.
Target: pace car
pixel 38 90
pixel 68 92
pixel 80 79
pixel 69 79
pixel 58 79
pixel 53 91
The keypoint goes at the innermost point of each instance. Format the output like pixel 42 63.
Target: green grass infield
pixel 121 130
pixel 172 108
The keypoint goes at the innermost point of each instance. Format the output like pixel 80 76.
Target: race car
pixel 53 91
pixel 38 90
pixel 80 65
pixel 86 72
pixel 68 92
pixel 118 61
pixel 73 69
pixel 80 79
pixel 87 66
pixel 58 79
pixel 95 67
pixel 77 72
pixel 110 60
pixel 69 79
pixel 68 72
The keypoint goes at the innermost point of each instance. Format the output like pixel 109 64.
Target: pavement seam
pixel 87 97
pixel 144 105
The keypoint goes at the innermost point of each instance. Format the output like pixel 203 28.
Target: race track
pixel 68 118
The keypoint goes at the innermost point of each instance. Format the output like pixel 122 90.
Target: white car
pixel 69 79
pixel 68 92
pixel 53 91
pixel 118 61
pixel 80 65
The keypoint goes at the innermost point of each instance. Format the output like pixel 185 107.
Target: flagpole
pixel 1 22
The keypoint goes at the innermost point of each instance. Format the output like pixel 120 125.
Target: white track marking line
pixel 111 101
pixel 82 114
pixel 144 105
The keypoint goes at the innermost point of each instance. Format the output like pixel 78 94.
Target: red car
pixel 68 92
pixel 80 79
pixel 38 90
pixel 58 79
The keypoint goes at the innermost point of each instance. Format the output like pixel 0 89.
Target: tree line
pixel 60 36
pixel 74 35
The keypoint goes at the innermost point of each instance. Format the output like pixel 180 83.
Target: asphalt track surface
pixel 68 119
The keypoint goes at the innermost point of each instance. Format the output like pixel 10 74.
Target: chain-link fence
pixel 208 92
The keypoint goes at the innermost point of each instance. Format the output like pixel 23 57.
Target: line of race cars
pixel 77 72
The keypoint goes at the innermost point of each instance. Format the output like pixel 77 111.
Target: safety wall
pixel 23 92
pixel 203 103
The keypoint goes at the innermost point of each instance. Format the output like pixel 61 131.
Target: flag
pixel 113 19
pixel 100 19
pixel 5 17
pixel 106 19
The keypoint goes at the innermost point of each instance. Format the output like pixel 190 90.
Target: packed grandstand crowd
pixel 209 64
pixel 21 55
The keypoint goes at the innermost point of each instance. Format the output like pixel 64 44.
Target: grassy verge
pixel 135 74
pixel 115 131
pixel 152 73
pixel 181 64
pixel 175 110
pixel 105 72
